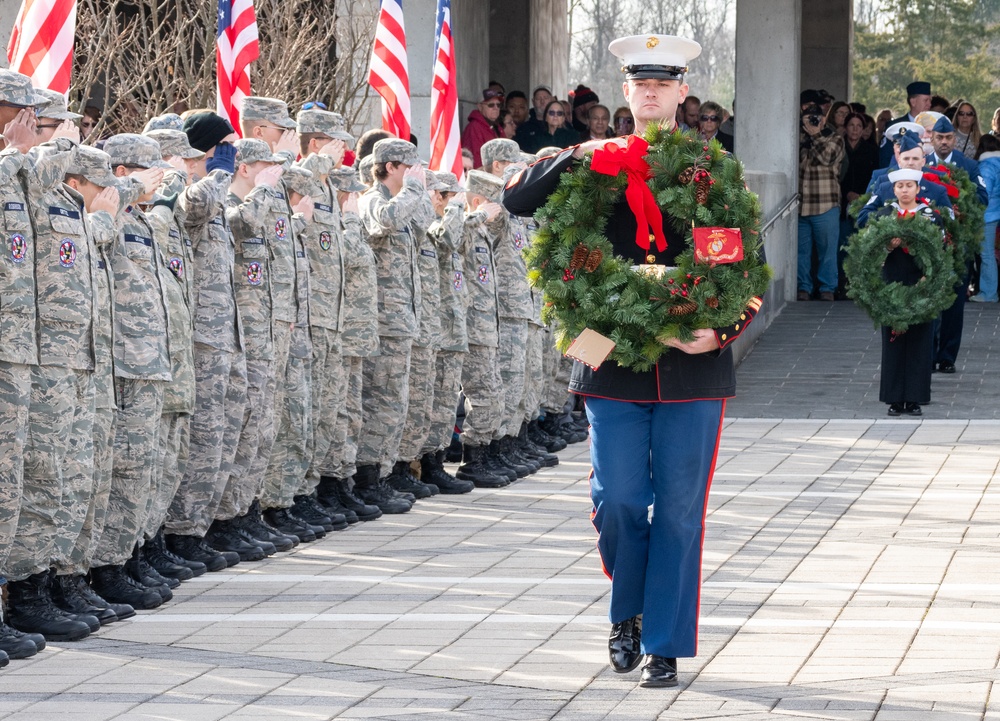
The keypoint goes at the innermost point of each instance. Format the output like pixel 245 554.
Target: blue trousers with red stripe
pixel 660 455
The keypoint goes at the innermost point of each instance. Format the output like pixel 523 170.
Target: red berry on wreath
pixel 684 294
pixel 684 285
pixel 670 281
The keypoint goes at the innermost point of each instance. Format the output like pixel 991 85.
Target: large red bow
pixel 613 159
pixel 949 188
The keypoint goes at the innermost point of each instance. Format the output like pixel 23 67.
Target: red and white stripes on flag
pixel 388 74
pixel 236 46
pixel 41 43
pixel 446 146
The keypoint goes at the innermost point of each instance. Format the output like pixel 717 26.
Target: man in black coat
pixel 654 434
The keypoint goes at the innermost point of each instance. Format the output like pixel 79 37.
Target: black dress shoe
pixel 659 672
pixel 946 367
pixel 623 644
pixel 895 409
pixel 912 409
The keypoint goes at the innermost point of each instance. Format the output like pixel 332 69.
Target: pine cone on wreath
pixel 580 253
pixel 683 308
pixel 712 302
pixel 593 260
pixel 687 175
pixel 701 192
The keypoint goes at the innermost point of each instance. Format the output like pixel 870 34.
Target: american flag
pixel 388 74
pixel 41 43
pixel 446 148
pixel 236 46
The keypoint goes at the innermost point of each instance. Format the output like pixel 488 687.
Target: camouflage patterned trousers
pixel 511 359
pixel 58 469
pixel 256 434
pixel 292 450
pixel 420 405
pixel 93 524
pixel 556 371
pixel 344 448
pixel 533 378
pixel 447 385
pixel 385 396
pixel 329 388
pixel 483 395
pixel 220 396
pixel 15 399
pixel 172 455
pixel 137 434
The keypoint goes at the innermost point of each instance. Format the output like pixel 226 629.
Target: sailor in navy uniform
pixel 948 328
pixel 891 135
pixel 905 382
pixel 918 97
pixel 654 434
pixel 910 156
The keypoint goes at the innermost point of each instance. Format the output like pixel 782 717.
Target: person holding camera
pixel 821 153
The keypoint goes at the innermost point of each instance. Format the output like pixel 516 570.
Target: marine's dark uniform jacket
pixel 678 376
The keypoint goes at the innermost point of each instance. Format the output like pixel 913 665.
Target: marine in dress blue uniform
pixel 654 434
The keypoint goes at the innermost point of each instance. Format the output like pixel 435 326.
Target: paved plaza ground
pixel 851 573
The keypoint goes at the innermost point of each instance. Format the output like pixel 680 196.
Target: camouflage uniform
pixel 141 363
pixel 359 340
pixel 179 396
pixel 385 389
pixel 484 396
pixel 252 222
pixel 447 234
pixel 31 457
pixel 538 336
pixel 327 253
pixel 220 365
pixel 423 354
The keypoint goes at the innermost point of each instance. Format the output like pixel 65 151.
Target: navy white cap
pixel 894 131
pixel 654 56
pixel 896 176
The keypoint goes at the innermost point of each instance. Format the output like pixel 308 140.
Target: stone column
pixel 827 46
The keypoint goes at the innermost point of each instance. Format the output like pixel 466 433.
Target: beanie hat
pixel 205 130
pixel 582 95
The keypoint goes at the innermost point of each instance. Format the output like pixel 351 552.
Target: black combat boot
pixel 32 611
pixel 284 522
pixel 114 584
pixel 477 470
pixel 453 453
pixel 405 482
pixel 156 556
pixel 223 538
pixel 498 450
pixel 122 610
pixel 432 469
pixel 309 510
pixel 66 595
pixel 326 495
pixel 548 460
pixel 349 499
pixel 552 444
pixel 143 573
pixel 193 548
pixel 252 522
pixel 516 453
pixel 494 466
pixel 373 490
pixel 16 644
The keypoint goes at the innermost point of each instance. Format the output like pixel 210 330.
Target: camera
pixel 812 115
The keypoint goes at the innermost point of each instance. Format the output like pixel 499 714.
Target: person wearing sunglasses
pixel 556 132
pixel 623 123
pixel 710 117
pixel 967 130
pixel 483 124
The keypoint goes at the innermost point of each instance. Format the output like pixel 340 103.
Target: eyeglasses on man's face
pixel 493 105
pixel 710 118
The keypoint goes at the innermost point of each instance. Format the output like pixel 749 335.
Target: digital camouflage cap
pixel 173 142
pixel 271 110
pixel 394 150
pixel 167 121
pixel 16 89
pixel 346 180
pixel 133 150
pixel 323 122
pixel 250 151
pixel 94 165
pixel 484 184
pixel 56 108
pixel 502 149
pixel 298 180
pixel 449 183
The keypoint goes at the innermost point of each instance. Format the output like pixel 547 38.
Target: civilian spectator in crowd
pixel 881 123
pixel 868 134
pixel 837 115
pixel 535 123
pixel 729 124
pixel 967 130
pixel 483 124
pixel 568 110
pixel 821 152
pixel 507 124
pixel 91 117
pixel 995 123
pixel 556 134
pixel 709 120
pixel 825 101
pixel 466 160
pixel 988 155
pixel 517 104
pixel 624 123
pixel 859 108
pixel 598 124
pixel 862 160
pixel 688 113
pixel 540 97
pixel 939 104
pixel 583 100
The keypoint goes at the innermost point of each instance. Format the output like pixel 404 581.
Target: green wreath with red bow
pixel 696 185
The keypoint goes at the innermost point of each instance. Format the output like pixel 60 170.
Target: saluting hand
pixel 106 200
pixel 305 206
pixel 416 172
pixel 492 210
pixel 335 150
pixel 150 179
pixel 268 176
pixel 350 204
pixel 20 132
pixel 288 141
pixel 67 129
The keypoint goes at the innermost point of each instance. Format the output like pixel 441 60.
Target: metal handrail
pixel 791 203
